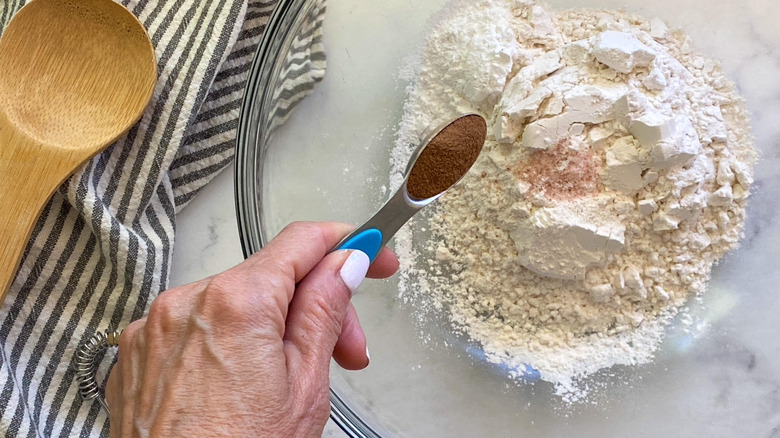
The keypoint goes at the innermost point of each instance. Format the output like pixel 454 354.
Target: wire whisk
pixel 87 366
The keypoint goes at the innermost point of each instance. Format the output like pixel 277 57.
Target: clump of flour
pixel 615 174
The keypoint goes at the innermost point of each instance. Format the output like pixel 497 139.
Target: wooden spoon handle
pixel 29 174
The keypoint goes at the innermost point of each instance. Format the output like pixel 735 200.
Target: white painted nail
pixel 354 269
pixel 368 356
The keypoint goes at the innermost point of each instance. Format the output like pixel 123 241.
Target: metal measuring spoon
pixel 441 160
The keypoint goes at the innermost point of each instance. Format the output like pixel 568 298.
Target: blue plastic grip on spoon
pixel 369 241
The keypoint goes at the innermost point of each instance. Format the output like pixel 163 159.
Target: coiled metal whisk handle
pixel 87 366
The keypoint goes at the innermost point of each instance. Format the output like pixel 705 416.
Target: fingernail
pixel 354 269
pixel 368 356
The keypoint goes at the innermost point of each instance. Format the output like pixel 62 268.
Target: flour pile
pixel 616 172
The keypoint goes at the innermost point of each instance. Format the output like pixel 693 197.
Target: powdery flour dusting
pixel 616 172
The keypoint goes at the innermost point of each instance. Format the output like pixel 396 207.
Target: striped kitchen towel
pixel 101 250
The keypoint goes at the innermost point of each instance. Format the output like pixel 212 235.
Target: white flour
pixel 615 174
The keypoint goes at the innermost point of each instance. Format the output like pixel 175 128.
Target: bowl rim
pixel 248 157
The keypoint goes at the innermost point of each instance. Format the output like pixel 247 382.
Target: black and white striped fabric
pixel 101 249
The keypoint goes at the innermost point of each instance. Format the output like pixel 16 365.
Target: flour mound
pixel 615 174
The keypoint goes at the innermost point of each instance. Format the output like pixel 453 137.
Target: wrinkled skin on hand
pixel 245 352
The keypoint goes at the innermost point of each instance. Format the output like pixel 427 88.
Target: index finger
pixel 299 247
pixel 384 265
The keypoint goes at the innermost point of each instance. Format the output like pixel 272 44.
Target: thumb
pixel 317 312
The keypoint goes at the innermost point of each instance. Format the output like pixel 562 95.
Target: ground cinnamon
pixel 448 156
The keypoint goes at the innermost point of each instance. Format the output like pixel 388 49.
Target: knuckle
pixel 311 231
pixel 323 316
pixel 277 276
pixel 270 299
pixel 220 298
pixel 126 339
pixel 297 228
pixel 164 311
pixel 246 297
pixel 234 300
pixel 160 306
pixel 124 343
pixel 138 341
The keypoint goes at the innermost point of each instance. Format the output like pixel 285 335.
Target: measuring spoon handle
pixel 373 235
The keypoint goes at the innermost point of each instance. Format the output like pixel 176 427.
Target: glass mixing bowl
pixel 330 161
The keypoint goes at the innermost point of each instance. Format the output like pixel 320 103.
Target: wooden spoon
pixel 74 76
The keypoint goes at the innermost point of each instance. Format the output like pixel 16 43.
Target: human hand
pixel 246 352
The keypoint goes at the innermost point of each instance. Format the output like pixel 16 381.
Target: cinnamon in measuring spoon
pixel 448 156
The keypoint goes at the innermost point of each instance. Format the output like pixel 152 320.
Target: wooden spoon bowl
pixel 75 75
